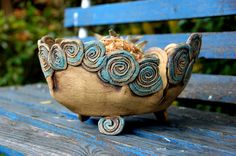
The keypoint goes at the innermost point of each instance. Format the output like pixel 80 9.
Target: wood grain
pixel 30 140
pixel 214 88
pixel 188 132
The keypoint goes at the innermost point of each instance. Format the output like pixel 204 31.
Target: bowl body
pixel 93 80
pixel 84 93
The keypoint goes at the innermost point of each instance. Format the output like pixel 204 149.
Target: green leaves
pixel 19 33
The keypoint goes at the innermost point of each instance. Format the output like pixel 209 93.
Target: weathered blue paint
pixel 149 10
pixel 73 133
pixel 9 152
pixel 94 58
pixel 145 140
pixel 182 143
pixel 81 126
pixel 120 69
pixel 214 88
pixel 148 80
pixel 214 45
pixel 18 100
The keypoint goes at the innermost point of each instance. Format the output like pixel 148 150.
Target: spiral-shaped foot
pixel 111 125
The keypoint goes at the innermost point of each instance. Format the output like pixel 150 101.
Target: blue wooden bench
pixel 32 123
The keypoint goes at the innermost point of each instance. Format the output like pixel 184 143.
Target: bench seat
pixel 32 122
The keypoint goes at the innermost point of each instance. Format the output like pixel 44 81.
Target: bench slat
pixel 32 99
pixel 214 88
pixel 215 45
pixel 149 10
pixel 203 132
pixel 22 137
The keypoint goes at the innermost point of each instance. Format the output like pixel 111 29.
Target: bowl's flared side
pixel 84 93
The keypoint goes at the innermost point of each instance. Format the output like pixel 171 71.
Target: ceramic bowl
pixel 114 77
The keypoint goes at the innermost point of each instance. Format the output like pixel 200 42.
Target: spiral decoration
pixel 178 62
pixel 120 69
pixel 111 125
pixel 57 58
pixel 74 50
pixel 43 59
pixel 188 72
pixel 47 40
pixel 195 41
pixel 148 80
pixel 94 57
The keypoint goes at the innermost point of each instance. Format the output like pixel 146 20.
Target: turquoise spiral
pixel 111 125
pixel 188 72
pixel 148 80
pixel 57 58
pixel 94 57
pixel 43 59
pixel 120 69
pixel 74 50
pixel 178 62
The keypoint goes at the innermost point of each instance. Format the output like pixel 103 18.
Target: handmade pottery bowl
pixel 112 77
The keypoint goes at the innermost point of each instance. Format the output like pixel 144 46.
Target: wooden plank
pixel 52 121
pixel 149 10
pixel 214 88
pixel 7 151
pixel 88 135
pixel 29 140
pixel 31 98
pixel 214 45
pixel 188 131
pixel 156 144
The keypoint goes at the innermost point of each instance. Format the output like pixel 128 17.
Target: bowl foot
pixel 161 116
pixel 83 118
pixel 111 125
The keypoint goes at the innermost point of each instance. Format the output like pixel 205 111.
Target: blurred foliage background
pixel 23 22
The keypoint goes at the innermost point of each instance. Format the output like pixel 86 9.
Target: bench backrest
pixel 215 88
